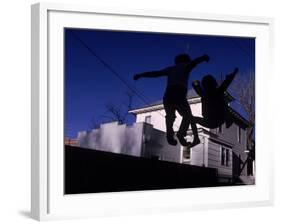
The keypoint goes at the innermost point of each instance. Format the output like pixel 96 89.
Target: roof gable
pixel 192 97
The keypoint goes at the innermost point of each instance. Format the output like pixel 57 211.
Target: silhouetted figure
pixel 215 109
pixel 175 97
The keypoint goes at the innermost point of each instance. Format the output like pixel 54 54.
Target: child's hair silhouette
pixel 209 84
pixel 215 109
pixel 182 58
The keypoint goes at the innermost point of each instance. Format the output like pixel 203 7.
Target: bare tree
pixel 93 123
pixel 119 112
pixel 243 89
pixel 114 112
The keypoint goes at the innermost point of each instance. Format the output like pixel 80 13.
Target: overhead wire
pixel 143 98
pixel 140 95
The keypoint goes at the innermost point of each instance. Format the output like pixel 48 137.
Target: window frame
pixel 147 117
pixel 225 152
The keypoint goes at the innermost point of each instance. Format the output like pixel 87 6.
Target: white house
pixel 222 148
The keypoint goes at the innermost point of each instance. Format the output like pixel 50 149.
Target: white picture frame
pixel 48 201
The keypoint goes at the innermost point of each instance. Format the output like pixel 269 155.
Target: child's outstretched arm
pixel 197 87
pixel 196 61
pixel 229 78
pixel 152 74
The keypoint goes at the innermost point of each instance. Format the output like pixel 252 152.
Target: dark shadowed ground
pixel 92 171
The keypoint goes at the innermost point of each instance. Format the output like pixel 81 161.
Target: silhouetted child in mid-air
pixel 175 97
pixel 215 109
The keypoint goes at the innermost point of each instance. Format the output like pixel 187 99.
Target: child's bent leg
pixel 201 121
pixel 185 112
pixel 196 139
pixel 183 130
pixel 170 118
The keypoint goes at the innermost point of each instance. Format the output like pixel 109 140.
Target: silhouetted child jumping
pixel 175 97
pixel 215 109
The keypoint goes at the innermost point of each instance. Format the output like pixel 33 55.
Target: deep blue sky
pixel 90 86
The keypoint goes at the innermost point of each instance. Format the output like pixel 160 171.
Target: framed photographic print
pixel 148 111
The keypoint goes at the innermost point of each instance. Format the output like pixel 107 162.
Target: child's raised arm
pixel 152 74
pixel 229 78
pixel 197 87
pixel 196 61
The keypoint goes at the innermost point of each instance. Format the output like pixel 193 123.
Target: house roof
pixel 239 119
pixel 193 97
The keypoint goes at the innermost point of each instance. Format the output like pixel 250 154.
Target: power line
pixel 141 96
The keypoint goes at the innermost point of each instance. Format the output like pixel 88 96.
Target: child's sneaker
pixel 195 142
pixel 182 140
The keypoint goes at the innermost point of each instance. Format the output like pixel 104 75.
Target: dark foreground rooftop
pixel 92 171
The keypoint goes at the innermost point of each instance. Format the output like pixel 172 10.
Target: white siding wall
pixel 115 138
pixel 155 144
pixel 214 159
pixel 158 117
pixel 231 135
pixel 199 153
pixel 141 139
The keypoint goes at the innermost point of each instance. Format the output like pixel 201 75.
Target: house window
pixel 148 119
pixel 186 153
pixel 225 156
pixel 220 129
pixel 239 131
pixel 240 161
pixel 222 156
